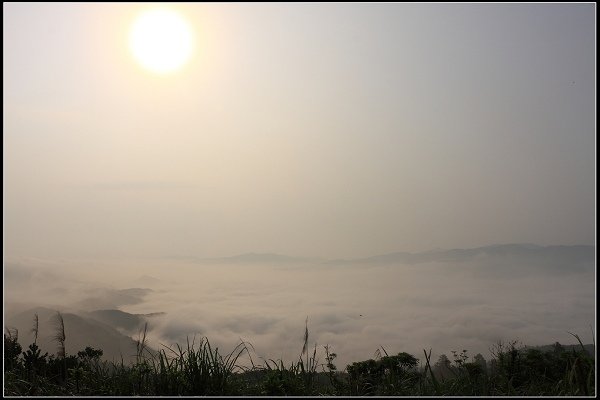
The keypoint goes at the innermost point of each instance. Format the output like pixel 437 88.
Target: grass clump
pixel 199 369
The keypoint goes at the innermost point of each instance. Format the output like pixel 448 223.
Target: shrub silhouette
pixel 202 370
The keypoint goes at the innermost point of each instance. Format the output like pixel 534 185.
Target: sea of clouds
pixel 356 309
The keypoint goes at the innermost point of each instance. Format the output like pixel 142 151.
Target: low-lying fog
pixel 353 307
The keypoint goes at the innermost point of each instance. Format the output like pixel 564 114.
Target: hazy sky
pixel 329 130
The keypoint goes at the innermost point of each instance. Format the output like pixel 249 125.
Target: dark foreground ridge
pixel 198 369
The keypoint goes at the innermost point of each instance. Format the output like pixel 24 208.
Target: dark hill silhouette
pixel 576 256
pixel 262 258
pixel 560 259
pixel 130 323
pixel 80 332
pixel 589 348
pixel 532 252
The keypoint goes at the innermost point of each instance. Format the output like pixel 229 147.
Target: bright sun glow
pixel 161 40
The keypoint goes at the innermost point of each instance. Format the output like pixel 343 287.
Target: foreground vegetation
pixel 201 370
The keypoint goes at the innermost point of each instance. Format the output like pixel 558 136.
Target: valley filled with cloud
pixel 443 300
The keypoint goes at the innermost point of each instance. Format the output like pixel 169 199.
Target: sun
pixel 161 40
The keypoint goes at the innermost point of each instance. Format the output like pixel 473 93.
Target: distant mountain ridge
pixel 258 258
pixel 556 252
pixel 526 251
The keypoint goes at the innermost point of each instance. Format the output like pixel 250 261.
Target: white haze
pixel 325 130
pixel 306 129
pixel 355 309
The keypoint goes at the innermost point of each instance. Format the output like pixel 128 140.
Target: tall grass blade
pixel 305 346
pixel 59 334
pixel 579 340
pixel 35 328
pixel 436 385
pixel 141 343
